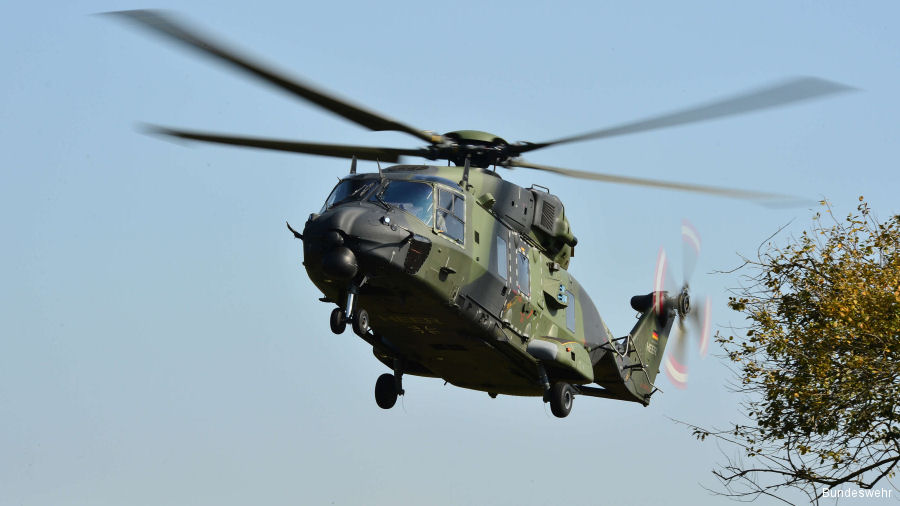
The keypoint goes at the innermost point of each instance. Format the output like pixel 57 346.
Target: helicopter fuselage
pixel 455 288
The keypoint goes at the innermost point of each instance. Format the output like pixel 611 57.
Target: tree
pixel 819 362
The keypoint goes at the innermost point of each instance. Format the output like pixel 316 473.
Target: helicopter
pixel 453 272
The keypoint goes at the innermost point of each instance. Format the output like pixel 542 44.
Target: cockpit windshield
pixel 413 197
pixel 349 190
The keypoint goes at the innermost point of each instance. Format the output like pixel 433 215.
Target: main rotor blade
pixel 337 150
pixel 768 199
pixel 777 95
pixel 168 26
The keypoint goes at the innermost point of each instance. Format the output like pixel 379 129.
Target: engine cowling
pixel 551 228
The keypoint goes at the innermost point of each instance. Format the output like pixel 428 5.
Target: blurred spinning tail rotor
pixel 682 339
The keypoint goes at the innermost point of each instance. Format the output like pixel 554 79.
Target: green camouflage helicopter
pixel 454 273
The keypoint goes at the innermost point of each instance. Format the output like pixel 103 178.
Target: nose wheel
pixel 361 322
pixel 357 317
pixel 338 321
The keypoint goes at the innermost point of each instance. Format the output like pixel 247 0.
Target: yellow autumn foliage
pixel 819 359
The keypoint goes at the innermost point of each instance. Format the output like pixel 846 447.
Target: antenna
pixel 465 180
pixel 377 161
pixel 353 165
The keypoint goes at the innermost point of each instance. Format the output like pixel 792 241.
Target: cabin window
pixel 570 311
pixel 500 256
pixel 523 278
pixel 451 215
pixel 415 198
pixel 348 190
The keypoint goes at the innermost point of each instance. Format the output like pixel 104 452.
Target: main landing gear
pixel 561 396
pixel 388 387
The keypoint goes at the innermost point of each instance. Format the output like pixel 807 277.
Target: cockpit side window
pixel 500 256
pixel 523 278
pixel 413 197
pixel 348 190
pixel 451 215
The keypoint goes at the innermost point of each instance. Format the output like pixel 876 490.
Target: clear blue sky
pixel 160 342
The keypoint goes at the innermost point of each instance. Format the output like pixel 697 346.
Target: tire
pixel 361 323
pixel 338 321
pixel 562 395
pixel 385 391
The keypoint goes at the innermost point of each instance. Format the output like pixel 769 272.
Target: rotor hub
pixel 683 303
pixel 482 149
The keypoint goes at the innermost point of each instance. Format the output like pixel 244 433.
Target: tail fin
pixel 629 371
pixel 648 342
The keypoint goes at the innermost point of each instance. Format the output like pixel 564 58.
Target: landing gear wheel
pixel 338 321
pixel 361 323
pixel 386 391
pixel 561 397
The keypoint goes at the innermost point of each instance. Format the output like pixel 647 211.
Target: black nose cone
pixel 340 263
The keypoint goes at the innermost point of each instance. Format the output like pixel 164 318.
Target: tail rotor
pixel 692 326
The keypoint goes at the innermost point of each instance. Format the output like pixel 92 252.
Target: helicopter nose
pixel 339 243
pixel 340 263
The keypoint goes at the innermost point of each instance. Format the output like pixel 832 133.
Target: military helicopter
pixel 452 272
